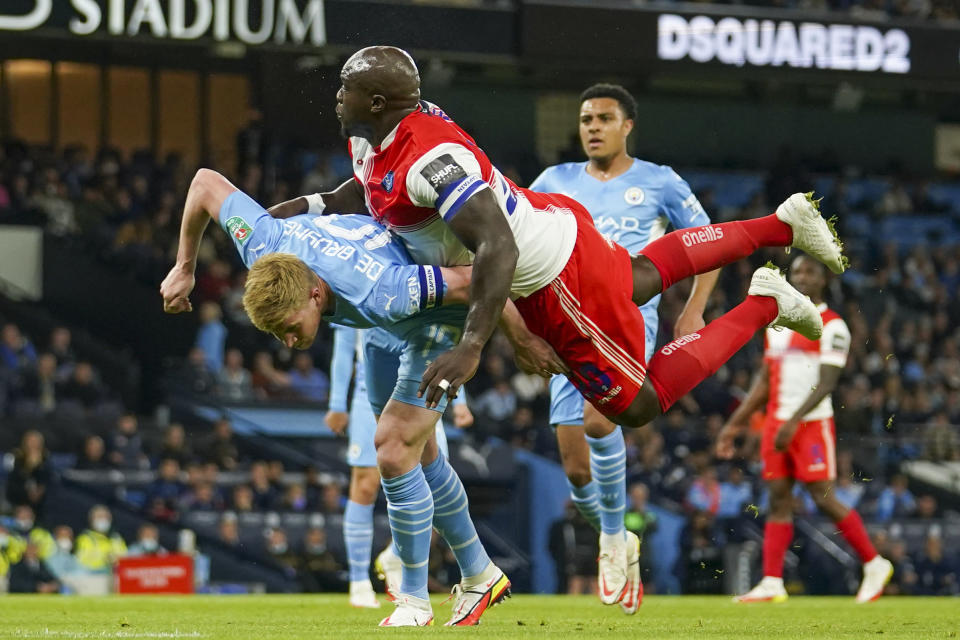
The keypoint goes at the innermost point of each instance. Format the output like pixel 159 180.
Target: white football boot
pixel 362 595
pixel 389 569
pixel 876 575
pixel 633 595
pixel 796 311
pixel 410 612
pixel 612 567
pixel 811 233
pixel 769 589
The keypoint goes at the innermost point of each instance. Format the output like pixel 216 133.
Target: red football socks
pixel 682 364
pixel 687 252
pixel 856 534
pixel 776 541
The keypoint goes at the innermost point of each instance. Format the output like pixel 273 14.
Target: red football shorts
pixel 811 456
pixel 588 317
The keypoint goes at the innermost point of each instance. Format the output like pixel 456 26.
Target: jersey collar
pixel 387 139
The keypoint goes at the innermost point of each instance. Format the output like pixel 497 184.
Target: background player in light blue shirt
pixel 351 350
pixel 632 203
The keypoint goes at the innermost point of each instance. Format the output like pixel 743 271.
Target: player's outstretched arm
pixel 690 319
pixel 205 197
pixel 829 377
pixel 531 352
pixel 480 225
pixel 740 419
pixel 347 198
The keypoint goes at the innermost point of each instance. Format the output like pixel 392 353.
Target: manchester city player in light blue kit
pixel 381 350
pixel 348 270
pixel 632 202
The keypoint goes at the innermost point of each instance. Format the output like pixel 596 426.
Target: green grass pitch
pixel 572 618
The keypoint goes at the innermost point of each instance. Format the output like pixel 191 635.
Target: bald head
pixel 380 86
pixel 385 70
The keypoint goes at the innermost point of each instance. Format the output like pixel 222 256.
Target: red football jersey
pixel 794 365
pixel 424 171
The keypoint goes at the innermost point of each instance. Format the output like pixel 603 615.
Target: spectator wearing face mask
pixel 99 546
pixel 148 542
pixel 320 570
pixel 24 522
pixel 62 562
pixel 278 549
pixel 31 574
pixel 11 550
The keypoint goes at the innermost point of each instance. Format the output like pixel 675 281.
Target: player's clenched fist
pixel 176 289
pixel 337 421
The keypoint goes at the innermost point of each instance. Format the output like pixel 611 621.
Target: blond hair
pixel 278 284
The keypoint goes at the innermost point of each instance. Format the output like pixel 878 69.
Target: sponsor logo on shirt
pixel 413 289
pixel 387 182
pixel 239 229
pixel 679 342
pixel 693 205
pixel 701 235
pixel 610 396
pixel 634 196
pixel 442 172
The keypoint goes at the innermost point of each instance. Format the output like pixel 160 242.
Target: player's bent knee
pixel 395 458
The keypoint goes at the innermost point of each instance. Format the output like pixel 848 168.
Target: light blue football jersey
pixel 632 209
pixel 376 285
pixel 373 278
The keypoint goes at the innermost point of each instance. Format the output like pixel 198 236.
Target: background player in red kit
pixel 796 381
pixel 423 177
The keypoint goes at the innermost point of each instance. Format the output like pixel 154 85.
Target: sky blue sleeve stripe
pixel 455 207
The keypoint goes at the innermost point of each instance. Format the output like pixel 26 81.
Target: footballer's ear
pixel 377 103
pixel 627 126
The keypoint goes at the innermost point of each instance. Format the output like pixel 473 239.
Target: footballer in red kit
pixel 799 439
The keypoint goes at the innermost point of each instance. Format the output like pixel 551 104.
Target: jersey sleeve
pixel 444 178
pixel 341 366
pixel 540 183
pixel 835 343
pixel 680 205
pixel 404 291
pixel 254 232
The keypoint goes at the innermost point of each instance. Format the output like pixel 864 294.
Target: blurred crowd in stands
pixel 165 483
pixel 899 399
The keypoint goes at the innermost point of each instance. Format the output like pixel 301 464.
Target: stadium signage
pixel 252 22
pixel 774 43
pixel 734 41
